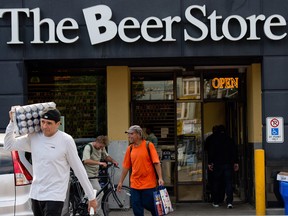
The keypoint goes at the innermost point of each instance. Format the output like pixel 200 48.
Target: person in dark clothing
pixel 208 144
pixel 222 161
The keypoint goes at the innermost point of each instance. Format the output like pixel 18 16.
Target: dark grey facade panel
pixel 12 78
pixel 12 89
pixel 222 48
pixel 8 52
pixel 226 8
pixel 275 104
pixel 275 7
pixel 275 71
pixel 11 4
pixel 6 102
pixel 275 47
pixel 148 50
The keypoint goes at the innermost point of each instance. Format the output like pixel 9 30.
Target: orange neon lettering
pixel 228 82
pixel 234 82
pixel 222 82
pixel 214 82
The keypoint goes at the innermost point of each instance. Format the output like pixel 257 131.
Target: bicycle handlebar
pixel 109 164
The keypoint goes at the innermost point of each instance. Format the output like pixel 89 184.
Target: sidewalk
pixel 187 209
pixel 198 209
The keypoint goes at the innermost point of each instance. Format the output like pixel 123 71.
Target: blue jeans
pixel 223 174
pixel 142 199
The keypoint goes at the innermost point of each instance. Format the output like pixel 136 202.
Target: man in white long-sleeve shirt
pixel 53 153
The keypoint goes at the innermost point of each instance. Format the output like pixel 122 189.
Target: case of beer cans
pixel 27 118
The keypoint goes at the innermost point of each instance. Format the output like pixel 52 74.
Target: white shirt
pixel 52 158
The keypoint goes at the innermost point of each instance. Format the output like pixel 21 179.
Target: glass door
pixel 189 151
pixel 189 138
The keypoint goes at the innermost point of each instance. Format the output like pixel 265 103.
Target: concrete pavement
pixel 187 209
pixel 201 208
pixel 207 209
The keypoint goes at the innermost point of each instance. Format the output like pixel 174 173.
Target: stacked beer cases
pixel 27 118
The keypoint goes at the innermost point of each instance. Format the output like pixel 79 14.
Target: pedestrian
pixel 208 144
pixel 143 180
pixel 92 160
pixel 53 154
pixel 222 162
pixel 151 136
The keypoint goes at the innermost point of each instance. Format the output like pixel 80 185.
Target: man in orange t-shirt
pixel 143 180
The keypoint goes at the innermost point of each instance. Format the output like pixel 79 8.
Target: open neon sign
pixel 225 82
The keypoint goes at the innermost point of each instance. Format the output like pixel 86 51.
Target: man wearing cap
pixel 143 177
pixel 53 153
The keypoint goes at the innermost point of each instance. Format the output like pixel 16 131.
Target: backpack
pixel 80 149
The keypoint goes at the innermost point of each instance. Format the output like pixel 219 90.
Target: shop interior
pixel 183 106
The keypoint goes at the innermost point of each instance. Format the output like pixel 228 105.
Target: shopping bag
pixel 166 202
pixel 158 203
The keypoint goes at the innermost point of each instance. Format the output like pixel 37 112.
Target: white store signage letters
pixel 110 29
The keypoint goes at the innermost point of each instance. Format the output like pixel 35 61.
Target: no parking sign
pixel 275 130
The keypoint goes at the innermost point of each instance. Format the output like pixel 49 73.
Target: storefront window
pixel 156 87
pixel 80 96
pixel 188 88
pixel 221 87
pixel 152 90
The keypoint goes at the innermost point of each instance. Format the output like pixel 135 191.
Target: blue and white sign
pixel 275 130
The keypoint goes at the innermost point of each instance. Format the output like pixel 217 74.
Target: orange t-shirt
pixel 143 175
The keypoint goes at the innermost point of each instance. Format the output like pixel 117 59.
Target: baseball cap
pixel 135 128
pixel 51 114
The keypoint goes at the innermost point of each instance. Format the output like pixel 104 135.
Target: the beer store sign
pixel 101 27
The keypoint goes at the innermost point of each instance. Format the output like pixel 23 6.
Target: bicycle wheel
pixel 78 208
pixel 114 202
pixel 78 203
pixel 71 208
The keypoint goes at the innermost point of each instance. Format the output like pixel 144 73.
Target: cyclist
pixel 143 177
pixel 92 161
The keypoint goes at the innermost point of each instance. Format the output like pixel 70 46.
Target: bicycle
pixel 112 201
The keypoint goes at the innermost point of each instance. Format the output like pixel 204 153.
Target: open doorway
pixel 231 114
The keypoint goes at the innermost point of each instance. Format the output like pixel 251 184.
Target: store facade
pixel 182 66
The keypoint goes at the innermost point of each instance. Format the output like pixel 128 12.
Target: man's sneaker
pixel 215 205
pixel 229 206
